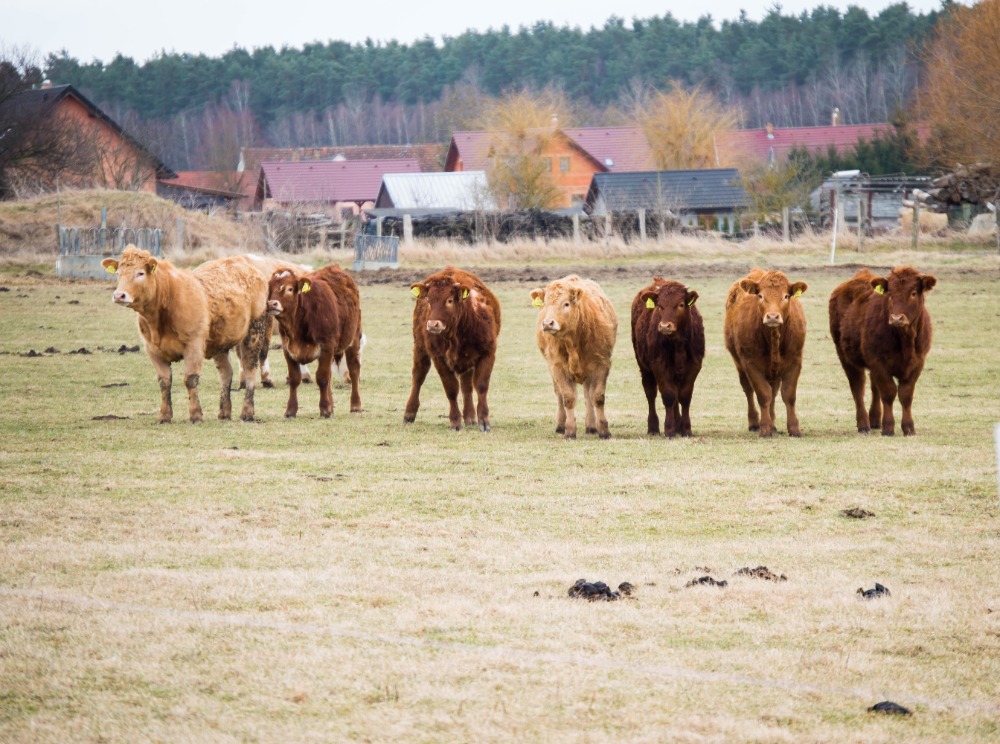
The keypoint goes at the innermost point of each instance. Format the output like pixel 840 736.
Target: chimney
pixel 835 117
pixel 770 130
pixel 46 84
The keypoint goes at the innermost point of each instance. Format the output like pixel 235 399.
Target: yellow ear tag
pixel 415 291
pixel 879 289
pixel 306 286
pixel 649 303
pixel 798 293
pixel 691 302
pixel 110 269
pixel 152 268
pixel 537 302
pixel 465 294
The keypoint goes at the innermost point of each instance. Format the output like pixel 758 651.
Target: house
pixel 464 191
pixel 877 200
pixel 769 145
pixel 711 198
pixel 430 156
pixel 572 156
pixel 94 150
pixel 208 190
pixel 341 188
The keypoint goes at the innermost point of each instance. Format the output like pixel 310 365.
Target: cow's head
pixel 446 298
pixel 904 290
pixel 559 303
pixel 283 293
pixel 136 270
pixel 669 304
pixel 774 293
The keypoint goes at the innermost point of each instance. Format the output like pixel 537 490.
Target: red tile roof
pixel 328 181
pixel 429 155
pixel 736 146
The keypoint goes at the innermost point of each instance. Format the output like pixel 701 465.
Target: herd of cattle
pixel 878 324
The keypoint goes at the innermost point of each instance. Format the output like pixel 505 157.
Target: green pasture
pixel 358 579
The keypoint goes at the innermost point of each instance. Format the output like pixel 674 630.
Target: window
pixel 564 164
pixel 547 164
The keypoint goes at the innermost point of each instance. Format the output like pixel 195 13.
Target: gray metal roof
pixel 675 190
pixel 461 190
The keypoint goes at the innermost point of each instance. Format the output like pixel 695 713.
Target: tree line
pixel 789 70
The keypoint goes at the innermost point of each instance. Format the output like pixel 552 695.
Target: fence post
pixel 916 223
pixel 642 225
pixel 784 225
pixel 861 226
pixel 180 234
pixel 576 229
pixel 407 229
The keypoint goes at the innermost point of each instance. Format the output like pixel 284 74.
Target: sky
pixel 99 29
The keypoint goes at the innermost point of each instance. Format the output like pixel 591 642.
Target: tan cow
pixel 576 334
pixel 194 315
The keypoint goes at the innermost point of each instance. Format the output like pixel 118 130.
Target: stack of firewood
pixel 972 184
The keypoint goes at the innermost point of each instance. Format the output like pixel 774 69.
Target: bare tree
pixel 681 125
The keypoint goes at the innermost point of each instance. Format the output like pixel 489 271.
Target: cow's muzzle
pixel 435 327
pixel 898 320
pixel 667 329
pixel 273 307
pixel 773 320
pixel 121 298
pixel 550 325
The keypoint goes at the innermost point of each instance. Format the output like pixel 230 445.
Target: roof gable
pixel 774 143
pixel 328 181
pixel 429 155
pixel 464 190
pixel 677 190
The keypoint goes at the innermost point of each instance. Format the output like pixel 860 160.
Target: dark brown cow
pixel 765 332
pixel 456 322
pixel 880 324
pixel 319 314
pixel 668 337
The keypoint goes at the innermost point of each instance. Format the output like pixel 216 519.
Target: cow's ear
pixel 538 297
pixel 110 265
pixel 151 266
pixel 798 289
pixel 880 285
pixel 463 291
pixel 927 282
pixel 749 287
pixel 690 297
pixel 418 290
pixel 304 286
pixel 649 298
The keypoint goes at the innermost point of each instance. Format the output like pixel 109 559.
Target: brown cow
pixel 880 324
pixel 576 333
pixel 319 316
pixel 668 337
pixel 765 331
pixel 192 315
pixel 456 321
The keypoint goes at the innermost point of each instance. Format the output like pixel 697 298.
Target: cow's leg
pixel 165 378
pixel 597 391
pixel 468 404
pixel 762 388
pixel 450 382
pixel 353 362
pixel 560 410
pixel 649 387
pixel 294 380
pixel 789 387
pixel 324 381
pixel 484 370
pixel 566 392
pixel 875 410
pixel 590 423
pixel 856 379
pixel 886 386
pixel 249 357
pixel 684 395
pixel 668 391
pixel 194 356
pixel 421 366
pixel 752 416
pixel 225 369
pixel 265 367
pixel 906 388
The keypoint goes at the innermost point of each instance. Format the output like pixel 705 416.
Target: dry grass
pixel 355 579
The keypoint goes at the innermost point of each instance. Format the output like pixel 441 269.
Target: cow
pixel 319 316
pixel 765 332
pixel 194 315
pixel 456 322
pixel 576 332
pixel 880 324
pixel 668 338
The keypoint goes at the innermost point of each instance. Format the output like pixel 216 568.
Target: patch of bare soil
pixel 110 417
pixel 761 572
pixel 890 708
pixel 877 593
pixel 856 512
pixel 706 581
pixel 115 385
pixel 598 591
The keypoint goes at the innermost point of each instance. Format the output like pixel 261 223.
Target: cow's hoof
pixel 359 409
pixel 888 433
pixel 590 430
pixel 290 414
pixel 795 434
pixel 164 421
pixel 560 430
pixel 686 434
pixel 866 430
pixel 669 434
pixel 326 414
pixel 243 386
pixel 604 434
pixel 267 383
pixel 567 435
pixel 457 427
pixel 484 426
pixel 754 427
pixel 225 416
pixel 653 432
pixel 407 419
pixel 765 434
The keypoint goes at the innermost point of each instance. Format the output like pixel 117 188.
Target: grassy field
pixel 355 579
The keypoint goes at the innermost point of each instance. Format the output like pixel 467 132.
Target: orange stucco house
pixel 572 155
